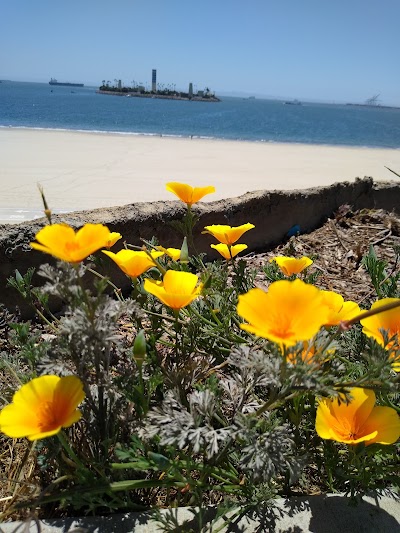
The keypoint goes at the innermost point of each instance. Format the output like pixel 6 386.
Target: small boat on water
pixel 293 102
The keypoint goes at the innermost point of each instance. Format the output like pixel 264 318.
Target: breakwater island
pixel 150 94
pixel 165 92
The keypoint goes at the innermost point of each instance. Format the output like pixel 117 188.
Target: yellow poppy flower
pixel 338 309
pixel 42 407
pixel 388 321
pixel 357 421
pixel 290 312
pixel 309 353
pixel 114 237
pixel 177 290
pixel 228 252
pixel 188 194
pixel 228 234
pixel 133 263
pixel 291 265
pixel 61 241
pixel 173 253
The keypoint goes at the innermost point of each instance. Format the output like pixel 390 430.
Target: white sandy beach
pixel 88 170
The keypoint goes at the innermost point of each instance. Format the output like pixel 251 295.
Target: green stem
pixel 353 460
pixel 117 290
pixel 198 315
pixel 11 370
pixel 177 328
pixel 85 296
pixel 213 313
pixel 189 227
pixel 347 323
pixel 390 403
pixel 275 402
pixel 64 442
pixel 234 337
pixel 156 263
pixel 165 317
pixel 50 324
pixel 284 363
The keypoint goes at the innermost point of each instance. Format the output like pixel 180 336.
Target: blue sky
pixel 334 51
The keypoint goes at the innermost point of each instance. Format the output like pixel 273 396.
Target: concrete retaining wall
pixel 273 213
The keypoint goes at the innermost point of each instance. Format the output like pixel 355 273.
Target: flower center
pixel 281 327
pixel 282 333
pixel 347 430
pixel 71 246
pixel 47 419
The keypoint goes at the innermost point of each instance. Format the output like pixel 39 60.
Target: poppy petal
pixel 386 422
pixel 359 408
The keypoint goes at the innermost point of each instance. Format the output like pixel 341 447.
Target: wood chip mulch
pixel 337 248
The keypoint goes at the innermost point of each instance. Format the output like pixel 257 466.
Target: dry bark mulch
pixel 337 248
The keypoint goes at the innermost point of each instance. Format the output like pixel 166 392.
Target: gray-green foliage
pixel 206 409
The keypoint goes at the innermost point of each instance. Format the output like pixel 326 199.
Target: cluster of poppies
pixel 290 312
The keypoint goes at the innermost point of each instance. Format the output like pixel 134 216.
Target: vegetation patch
pixel 226 383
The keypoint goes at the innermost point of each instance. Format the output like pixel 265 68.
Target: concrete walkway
pixel 316 514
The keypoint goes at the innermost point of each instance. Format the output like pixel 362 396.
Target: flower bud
pixel 184 257
pixel 139 348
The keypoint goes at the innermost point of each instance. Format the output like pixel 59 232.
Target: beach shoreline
pixel 134 134
pixel 85 170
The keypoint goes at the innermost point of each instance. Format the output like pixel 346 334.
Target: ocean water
pixel 39 105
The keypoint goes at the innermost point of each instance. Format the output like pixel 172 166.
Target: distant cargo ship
pixel 53 81
pixel 293 102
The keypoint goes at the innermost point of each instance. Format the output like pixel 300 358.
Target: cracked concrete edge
pixel 273 213
pixel 331 513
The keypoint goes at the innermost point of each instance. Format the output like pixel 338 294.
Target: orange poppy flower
pixel 307 354
pixel 113 238
pixel 188 194
pixel 229 252
pixel 228 234
pixel 178 289
pixel 43 406
pixel 388 321
pixel 290 312
pixel 291 265
pixel 61 241
pixel 357 421
pixel 173 253
pixel 338 309
pixel 134 263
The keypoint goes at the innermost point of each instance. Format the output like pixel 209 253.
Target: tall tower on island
pixel 154 80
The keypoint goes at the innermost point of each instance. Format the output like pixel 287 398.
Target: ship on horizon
pixel 53 81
